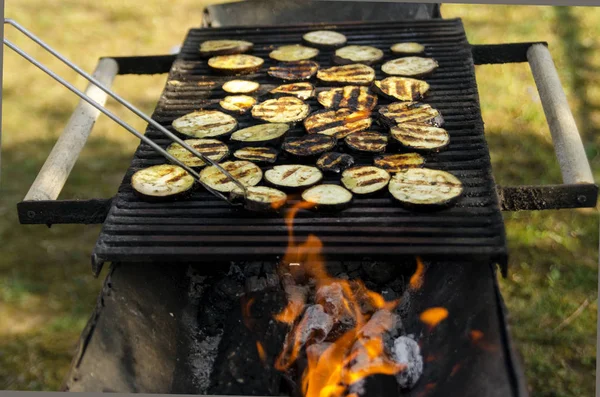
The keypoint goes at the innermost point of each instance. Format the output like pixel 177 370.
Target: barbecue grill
pixel 462 244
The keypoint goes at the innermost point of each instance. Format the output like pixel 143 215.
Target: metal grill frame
pixel 202 229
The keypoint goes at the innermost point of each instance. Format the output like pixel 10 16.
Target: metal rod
pixel 112 116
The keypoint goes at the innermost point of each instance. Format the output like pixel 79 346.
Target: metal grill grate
pixel 205 229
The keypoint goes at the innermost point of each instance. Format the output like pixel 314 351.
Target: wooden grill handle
pixel 55 171
pixel 568 146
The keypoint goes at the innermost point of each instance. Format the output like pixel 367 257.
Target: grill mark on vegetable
pixel 290 173
pixel 175 178
pixel 365 173
pixel 370 182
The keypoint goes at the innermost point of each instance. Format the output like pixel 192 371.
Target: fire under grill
pixel 202 228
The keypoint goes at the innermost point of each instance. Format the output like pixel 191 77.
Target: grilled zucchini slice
pixel 402 88
pixel 299 90
pixel 420 137
pixel 411 112
pixel 260 198
pixel 247 173
pixel 328 197
pixel 211 148
pixel 324 38
pixel 393 163
pixel 309 145
pixel 294 71
pixel 205 124
pixel 162 183
pixel 240 86
pixel 356 73
pixel 365 179
pixel 351 97
pixel 367 141
pixel 407 48
pixel 335 162
pixel 424 187
pixel 410 67
pixel 358 54
pixel 257 154
pixel 235 64
pixel 287 109
pixel 224 47
pixel 261 134
pixel 237 103
pixel 338 123
pixel 294 52
pixel 293 176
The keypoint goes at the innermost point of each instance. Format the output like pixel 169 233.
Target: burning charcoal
pixel 331 297
pixel 255 284
pixel 287 280
pixel 407 352
pixel 315 324
pixel 380 272
pixel 272 280
pixel 383 322
pixel 314 351
pixel 389 295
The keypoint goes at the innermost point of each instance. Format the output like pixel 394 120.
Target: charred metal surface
pixel 488 54
pixel 550 197
pixel 150 64
pixel 49 212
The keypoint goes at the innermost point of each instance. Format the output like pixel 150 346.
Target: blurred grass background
pixel 46 288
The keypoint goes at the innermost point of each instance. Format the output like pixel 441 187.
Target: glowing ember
pixel 433 316
pixel 416 281
pixel 261 352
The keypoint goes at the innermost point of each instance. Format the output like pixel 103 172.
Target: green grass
pixel 47 291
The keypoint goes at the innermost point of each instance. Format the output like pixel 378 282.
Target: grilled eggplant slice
pixel 309 145
pixel 407 48
pixel 261 134
pixel 247 173
pixel 328 197
pixel 237 103
pixel 402 88
pixel 425 188
pixel 257 154
pixel 420 137
pixel 299 90
pixel 393 163
pixel 211 148
pixel 356 73
pixel 351 97
pixel 358 54
pixel 410 67
pixel 293 176
pixel 294 52
pixel 260 198
pixel 205 124
pixel 335 162
pixel 287 109
pixel 224 47
pixel 240 86
pixel 367 141
pixel 235 64
pixel 338 123
pixel 324 38
pixel 163 182
pixel 294 71
pixel 365 179
pixel 410 112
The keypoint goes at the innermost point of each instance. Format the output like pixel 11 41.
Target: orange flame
pixel 261 352
pixel 433 316
pixel 416 280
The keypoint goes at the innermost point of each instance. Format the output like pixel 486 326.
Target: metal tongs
pixel 125 103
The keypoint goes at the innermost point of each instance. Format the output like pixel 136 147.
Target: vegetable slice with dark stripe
pixel 365 179
pixel 328 197
pixel 411 112
pixel 163 182
pixel 287 109
pixel 235 64
pixel 257 154
pixel 393 163
pixel 335 162
pixel 351 97
pixel 299 90
pixel 402 88
pixel 247 173
pixel 367 141
pixel 424 187
pixel 293 176
pixel 338 123
pixel 205 123
pixel 299 70
pixel 356 73
pixel 224 47
pixel 420 137
pixel 261 134
pixel 211 148
pixel 309 145
pixel 260 198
